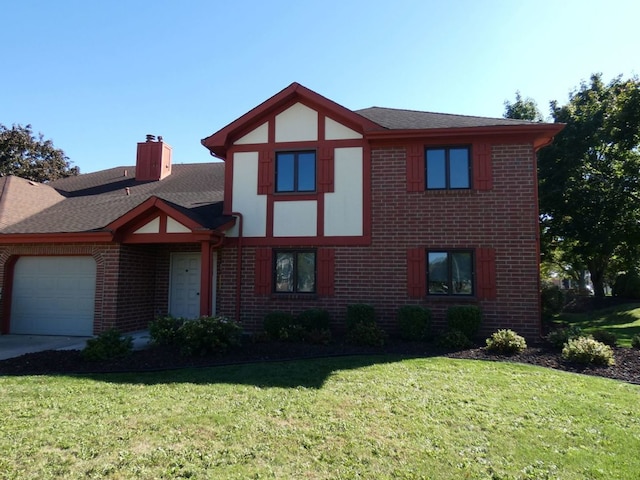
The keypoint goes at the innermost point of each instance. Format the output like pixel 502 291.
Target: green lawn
pixel 350 417
pixel 623 320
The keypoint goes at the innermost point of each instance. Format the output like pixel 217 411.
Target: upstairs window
pixel 295 271
pixel 296 171
pixel 447 168
pixel 450 272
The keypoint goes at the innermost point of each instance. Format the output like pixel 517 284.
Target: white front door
pixel 184 290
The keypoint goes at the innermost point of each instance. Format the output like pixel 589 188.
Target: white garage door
pixel 53 296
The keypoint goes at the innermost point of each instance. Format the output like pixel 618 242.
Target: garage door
pixel 53 296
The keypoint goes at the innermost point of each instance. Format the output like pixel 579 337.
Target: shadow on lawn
pixel 618 318
pixel 305 373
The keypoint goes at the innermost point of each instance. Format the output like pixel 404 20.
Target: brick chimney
pixel 153 161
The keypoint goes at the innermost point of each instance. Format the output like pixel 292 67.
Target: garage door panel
pixel 53 296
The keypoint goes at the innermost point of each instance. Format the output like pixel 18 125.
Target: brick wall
pixel 503 218
pixel 136 286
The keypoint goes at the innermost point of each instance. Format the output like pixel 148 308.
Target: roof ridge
pixel 440 113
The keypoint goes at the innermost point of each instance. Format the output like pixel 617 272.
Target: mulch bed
pixel 627 367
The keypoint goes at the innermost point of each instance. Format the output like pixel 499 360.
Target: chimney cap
pixel 151 138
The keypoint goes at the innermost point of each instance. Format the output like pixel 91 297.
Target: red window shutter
pixel 415 168
pixel 265 172
pixel 486 273
pixel 482 167
pixel 326 272
pixel 416 272
pixel 325 170
pixel 263 271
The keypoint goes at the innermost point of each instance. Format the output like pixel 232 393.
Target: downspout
pixel 239 264
pixel 206 299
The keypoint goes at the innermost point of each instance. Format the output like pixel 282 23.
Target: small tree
pixel 522 109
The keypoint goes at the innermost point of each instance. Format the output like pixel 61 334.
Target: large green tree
pixel 26 155
pixel 589 178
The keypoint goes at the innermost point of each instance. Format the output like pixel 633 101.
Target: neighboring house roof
pixel 92 201
pixel 20 198
pixel 397 119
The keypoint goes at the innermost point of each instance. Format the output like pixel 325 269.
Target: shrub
pixel 317 336
pixel 551 300
pixel 314 319
pixel 466 319
pixel 360 313
pixel 414 322
pixel 362 328
pixel 310 326
pixel 277 324
pixel 107 345
pixel 369 334
pixel 635 341
pixel 586 350
pixel 558 337
pixel 208 335
pixel 627 285
pixel 606 337
pixel 506 342
pixel 454 340
pixel 164 330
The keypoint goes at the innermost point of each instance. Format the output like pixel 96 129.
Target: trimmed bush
pixel 369 334
pixel 314 319
pixel 207 335
pixel 164 330
pixel 107 345
pixel 360 313
pixel 317 336
pixel 635 341
pixel 454 340
pixel 465 318
pixel 414 322
pixel 560 336
pixel 362 328
pixel 606 337
pixel 506 342
pixel 586 350
pixel 551 300
pixel 277 324
pixel 311 326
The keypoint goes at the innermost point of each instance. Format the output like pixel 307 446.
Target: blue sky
pixel 96 76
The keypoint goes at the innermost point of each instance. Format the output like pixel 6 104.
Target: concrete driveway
pixel 16 345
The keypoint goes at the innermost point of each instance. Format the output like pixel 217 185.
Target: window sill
pixel 460 191
pixel 294 296
pixel 452 298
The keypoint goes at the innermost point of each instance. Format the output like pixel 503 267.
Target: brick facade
pixel 503 218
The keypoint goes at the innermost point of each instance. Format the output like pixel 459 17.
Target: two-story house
pixel 315 205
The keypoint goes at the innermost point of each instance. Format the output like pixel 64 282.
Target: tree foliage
pixel 522 109
pixel 590 179
pixel 26 155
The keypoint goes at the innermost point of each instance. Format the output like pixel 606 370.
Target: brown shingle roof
pixel 397 119
pixel 92 201
pixel 20 198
